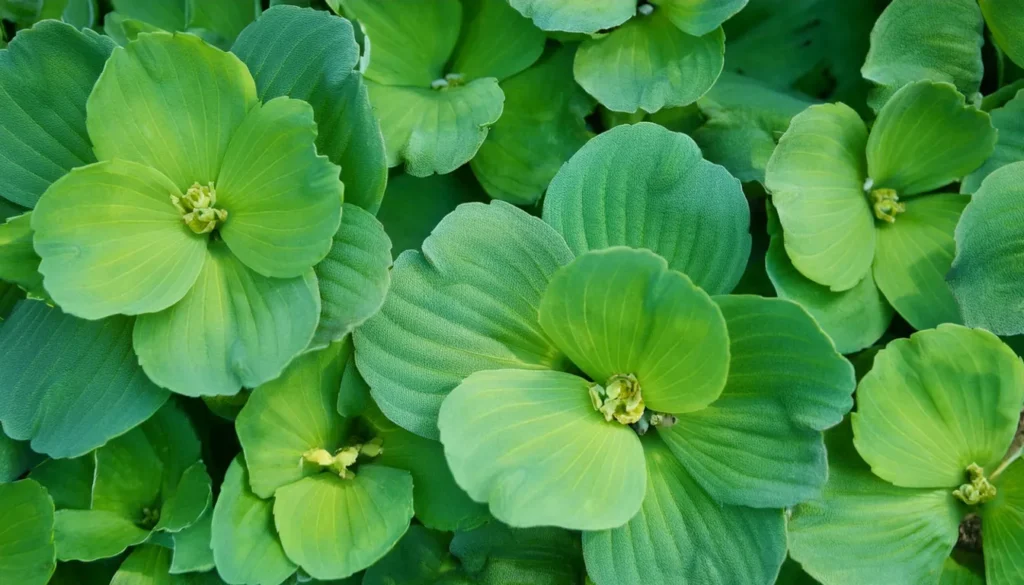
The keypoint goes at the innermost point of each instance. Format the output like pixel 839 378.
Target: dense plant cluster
pixel 511 292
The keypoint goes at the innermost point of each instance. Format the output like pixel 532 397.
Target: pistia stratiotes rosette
pixel 432 69
pixel 326 483
pixel 859 208
pixel 932 469
pixel 641 55
pixel 591 386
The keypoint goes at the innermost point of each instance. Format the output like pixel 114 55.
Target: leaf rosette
pixel 594 386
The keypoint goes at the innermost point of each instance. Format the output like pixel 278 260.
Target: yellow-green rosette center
pixel 979 490
pixel 342 460
pixel 620 399
pixel 198 208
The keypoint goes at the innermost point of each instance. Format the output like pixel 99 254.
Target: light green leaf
pixel 186 504
pixel 1005 20
pixel 18 260
pixel 937 402
pixel 1008 121
pixel 412 40
pixel 699 17
pixel 128 478
pixel 531 445
pixel 413 206
pixel 865 530
pixel 68 481
pixel 171 102
pixel 283 199
pixel 27 554
pixel 1002 525
pixel 643 186
pixel 147 565
pixel 854 319
pixel 619 311
pixel 913 256
pixel 927 137
pixel 277 49
pixel 70 385
pixel 579 16
pixel 495 41
pixel 333 527
pixel 435 130
pixel 420 558
pixel 245 544
pixel 649 64
pixel 42 128
pixel 230 349
pixel 447 316
pixel 89 535
pixel 440 503
pixel 681 535
pixel 911 41
pixel 542 125
pixel 354 277
pixel 984 275
pixel 290 415
pixel 816 178
pixel 112 242
pixel 192 552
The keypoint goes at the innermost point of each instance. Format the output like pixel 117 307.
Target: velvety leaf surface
pixel 912 41
pixel 1002 521
pixel 70 385
pixel 816 178
pixel 927 137
pixel 467 303
pixel 245 544
pixel 575 15
pixel 333 527
pixel 231 351
pixel 184 100
pixel 1008 121
pixel 89 535
pixel 985 274
pixel 310 55
pixel 42 117
pixel 683 536
pixel 27 554
pixel 937 402
pixel 646 187
pixel 531 445
pixel 649 64
pixel 621 311
pixel 112 242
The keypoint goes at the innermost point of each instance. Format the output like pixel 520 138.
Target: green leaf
pixel 435 130
pixel 758 444
pixel 439 502
pixel 682 535
pixel 927 137
pixel 230 349
pixel 531 445
pixel 89 535
pixel 984 275
pixel 354 395
pixel 171 102
pixel 646 187
pixel 226 18
pixel 283 199
pixel 619 311
pixel 649 63
pixel 76 573
pixel 290 415
pixel 69 481
pixel 865 530
pixel 18 260
pixel 174 441
pixel 112 242
pixel 354 277
pixel 495 554
pixel 70 385
pixel 913 256
pixel 27 554
pixel 1001 522
pixel 333 527
pixel 186 504
pixel 1008 121
pixel 447 316
pixel 192 552
pixel 816 178
pixel 420 558
pixel 42 117
pixel 579 16
pixel 166 14
pixel 911 41
pixel 128 477
pixel 245 544
pixel 699 17
pixel 413 206
pixel 15 459
pixel 937 402
pixel 310 55
pixel 542 125
pixel 495 41
pixel 854 319
pixel 1005 20
pixel 147 565
pixel 955 573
